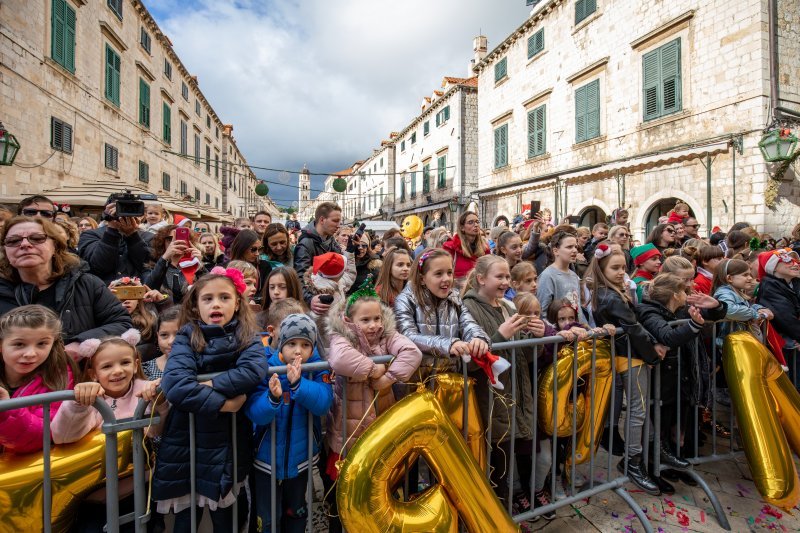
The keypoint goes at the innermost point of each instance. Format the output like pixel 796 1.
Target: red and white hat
pixel 329 265
pixel 768 261
pixel 180 220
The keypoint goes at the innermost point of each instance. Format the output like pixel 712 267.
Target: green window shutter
pixel 651 77
pixel 501 146
pixel 62 38
pixel 584 8
pixel 587 111
pixel 144 103
pixel 69 39
pixel 447 113
pixel 167 114
pixel 536 132
pixel 413 184
pixel 441 171
pixel 536 43
pixel 500 70
pixel 671 76
pixel 112 76
pixel 426 178
pixel 402 189
pixel 426 129
pixel 438 119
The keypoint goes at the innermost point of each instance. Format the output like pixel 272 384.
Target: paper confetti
pixel 683 519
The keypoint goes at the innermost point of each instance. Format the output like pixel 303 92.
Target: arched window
pixel 591 216
pixel 658 210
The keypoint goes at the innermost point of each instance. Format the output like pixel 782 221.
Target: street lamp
pixel 453 205
pixel 778 145
pixel 9 147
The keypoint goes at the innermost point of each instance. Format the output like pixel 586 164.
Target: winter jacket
pixel 494 405
pixel 112 255
pixel 209 261
pixel 702 282
pixel 434 332
pixel 22 430
pixel 365 266
pixel 739 315
pixel 612 309
pixel 463 264
pixel 74 421
pixel 85 305
pixel 166 276
pixel 311 394
pixel 783 299
pixel 349 357
pixel 309 245
pixel 241 369
pixel 680 339
pixel 536 252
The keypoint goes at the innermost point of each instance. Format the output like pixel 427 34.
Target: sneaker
pixel 580 479
pixel 540 499
pixel 521 504
pixel 723 397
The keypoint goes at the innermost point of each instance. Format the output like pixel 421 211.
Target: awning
pixel 422 209
pixel 639 164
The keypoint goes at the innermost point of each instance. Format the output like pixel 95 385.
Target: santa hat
pixel 180 220
pixel 674 218
pixel 642 253
pixel 329 265
pixel 492 366
pixel 189 266
pixel 768 261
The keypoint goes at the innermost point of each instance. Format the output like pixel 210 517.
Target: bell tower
pixel 304 192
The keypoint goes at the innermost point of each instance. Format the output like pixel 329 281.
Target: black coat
pixel 87 308
pixel 166 276
pixel 242 369
pixel 369 264
pixel 309 245
pixel 111 255
pixel 783 300
pixel 612 309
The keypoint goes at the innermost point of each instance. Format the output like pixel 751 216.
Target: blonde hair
pixel 674 263
pixel 583 231
pixel 482 267
pixel 522 269
pixel 247 269
pixel 526 302
pixel 664 286
pixel 438 237
pixel 481 245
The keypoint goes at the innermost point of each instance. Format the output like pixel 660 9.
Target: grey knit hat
pixel 297 326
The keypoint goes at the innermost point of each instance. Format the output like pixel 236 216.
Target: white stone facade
pixel 724 83
pixel 368 194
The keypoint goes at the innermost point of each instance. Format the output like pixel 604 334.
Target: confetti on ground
pixel 614 514
pixel 683 519
pixel 771 512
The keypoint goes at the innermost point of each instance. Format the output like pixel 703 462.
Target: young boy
pixel 286 400
pixel 647 260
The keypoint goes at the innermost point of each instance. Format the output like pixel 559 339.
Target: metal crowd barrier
pixel 614 480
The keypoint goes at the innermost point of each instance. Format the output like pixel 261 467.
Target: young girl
pixel 250 275
pixel 681 267
pixel 362 327
pixel 276 245
pixel 557 280
pixel 523 279
pixel 167 329
pixel 143 315
pixel 394 274
pixel 708 257
pixel 611 304
pixel 430 313
pixel 34 362
pixel 155 217
pixel 281 283
pixel 732 281
pixel 509 247
pixel 218 334
pixel 647 260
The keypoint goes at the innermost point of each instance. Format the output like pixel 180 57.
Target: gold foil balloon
pixel 417 424
pixel 77 470
pixel 411 228
pixel 587 435
pixel 767 408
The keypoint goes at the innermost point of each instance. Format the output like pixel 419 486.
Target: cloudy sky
pixel 322 82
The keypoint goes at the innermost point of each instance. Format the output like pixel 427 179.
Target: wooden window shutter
pixel 671 76
pixel 536 131
pixel 651 77
pixel 58 23
pixel 167 119
pixel 593 109
pixel 144 103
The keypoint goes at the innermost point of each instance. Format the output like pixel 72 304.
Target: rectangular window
pixel 441 171
pixel 144 172
pixel 403 145
pixel 62 45
pixel 413 183
pixel 426 128
pixel 413 138
pixel 208 121
pixel 111 157
pixel 208 160
pixel 196 149
pixel 112 76
pixel 501 146
pixel 183 188
pixel 536 131
pixel 216 203
pixel 197 108
pixel 403 188
pixel 443 116
pixel 165 182
pixel 216 166
pixel 587 111
pixel 166 114
pixel 60 135
pixel 196 194
pixel 426 178
pixel 167 69
pixel 536 43
pixel 216 132
pixel 208 199
pixel 584 8
pixel 662 80
pixel 381 162
pixel 144 40
pixel 184 138
pixel 185 91
pixel 144 103
pixel 116 7
pixel 501 70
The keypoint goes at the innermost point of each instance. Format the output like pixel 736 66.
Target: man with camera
pixel 118 248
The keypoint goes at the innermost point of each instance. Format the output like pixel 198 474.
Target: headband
pixel 366 290
pixel 602 251
pixel 232 274
pixel 126 281
pixel 423 258
pixel 89 347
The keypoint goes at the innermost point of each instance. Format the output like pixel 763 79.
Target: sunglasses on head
pixel 15 240
pixel 41 212
pixel 669 230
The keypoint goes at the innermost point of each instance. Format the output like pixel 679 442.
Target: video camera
pixel 128 204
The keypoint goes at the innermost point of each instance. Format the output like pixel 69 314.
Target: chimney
pixel 479 45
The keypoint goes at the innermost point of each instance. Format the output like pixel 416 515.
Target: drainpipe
pixel 708 194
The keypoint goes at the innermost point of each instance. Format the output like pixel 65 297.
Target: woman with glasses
pixel 663 237
pixel 466 246
pixel 201 228
pixel 620 235
pixel 86 224
pixel 166 274
pixel 247 246
pixel 366 262
pixel 36 268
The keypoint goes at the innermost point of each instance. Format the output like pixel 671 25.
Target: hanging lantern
pixel 778 145
pixel 9 147
pixel 339 184
pixel 262 189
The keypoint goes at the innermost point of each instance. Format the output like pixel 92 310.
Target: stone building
pixel 100 101
pixel 594 104
pixel 371 184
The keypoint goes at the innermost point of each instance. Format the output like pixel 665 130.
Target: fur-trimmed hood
pixel 335 324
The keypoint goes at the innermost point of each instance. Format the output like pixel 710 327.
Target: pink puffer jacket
pixel 349 359
pixel 21 430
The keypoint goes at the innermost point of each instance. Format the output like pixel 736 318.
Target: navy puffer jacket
pixel 242 368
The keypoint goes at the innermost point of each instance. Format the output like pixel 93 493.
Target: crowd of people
pixel 125 308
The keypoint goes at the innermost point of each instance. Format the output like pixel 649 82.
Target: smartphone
pixel 574 219
pixel 182 234
pixel 536 206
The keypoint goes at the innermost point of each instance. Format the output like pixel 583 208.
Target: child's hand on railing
pixel 275 388
pixel 579 332
pixel 381 383
pixel 568 335
pixel 477 347
pixel 661 350
pixel 4 394
pixel 611 329
pixel 87 393
pixel 765 313
pixel 232 405
pixel 694 312
pixel 150 390
pixel 459 349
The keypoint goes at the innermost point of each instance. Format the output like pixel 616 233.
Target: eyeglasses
pixel 623 235
pixel 691 225
pixel 363 246
pixel 255 249
pixel 36 238
pixel 41 212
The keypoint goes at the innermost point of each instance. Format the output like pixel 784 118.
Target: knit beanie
pixel 642 253
pixel 297 326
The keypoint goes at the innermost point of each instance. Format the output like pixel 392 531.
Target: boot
pixel 637 473
pixel 669 459
pixel 617 444
pixel 663 485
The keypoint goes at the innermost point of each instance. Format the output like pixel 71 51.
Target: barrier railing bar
pixel 192 473
pixel 310 472
pixel 574 416
pixel 593 434
pixel 554 438
pixel 535 416
pixel 47 484
pixel 235 488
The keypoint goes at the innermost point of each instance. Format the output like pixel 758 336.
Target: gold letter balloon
pixel 767 408
pixel 76 470
pixel 588 435
pixel 417 424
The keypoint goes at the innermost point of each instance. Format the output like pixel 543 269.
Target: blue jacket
pixel 312 394
pixel 242 369
pixel 740 312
